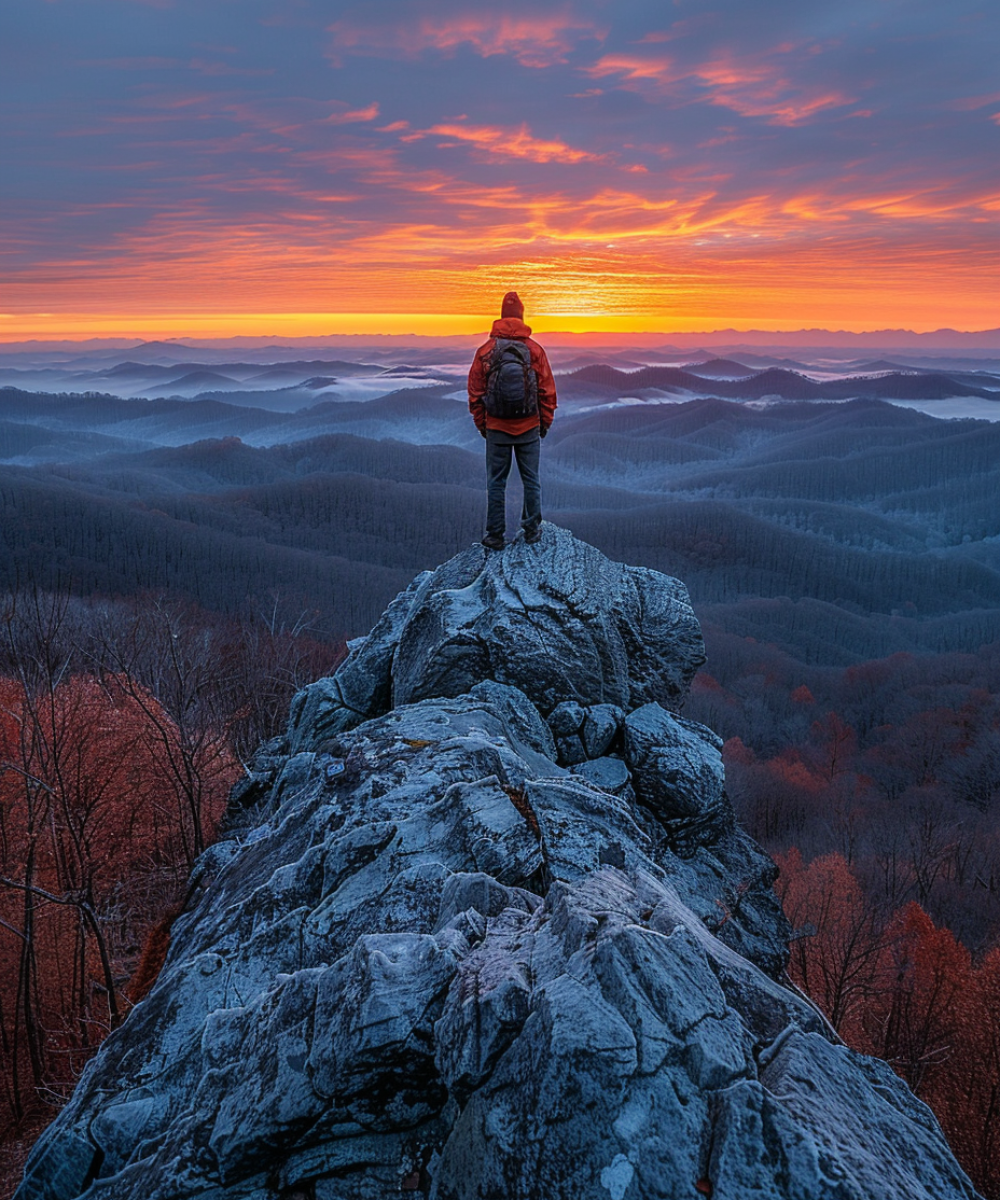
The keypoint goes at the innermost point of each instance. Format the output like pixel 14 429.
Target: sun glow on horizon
pixel 72 327
pixel 256 281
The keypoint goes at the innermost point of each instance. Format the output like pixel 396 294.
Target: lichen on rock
pixel 495 933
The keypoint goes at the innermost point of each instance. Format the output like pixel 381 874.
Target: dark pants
pixel 500 448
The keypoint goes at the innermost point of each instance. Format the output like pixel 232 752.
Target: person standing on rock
pixel 512 398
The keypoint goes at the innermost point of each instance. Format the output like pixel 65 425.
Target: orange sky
pixel 182 173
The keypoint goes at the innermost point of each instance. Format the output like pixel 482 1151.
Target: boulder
pixel 600 728
pixel 609 774
pixel 557 620
pixel 567 718
pixel 676 768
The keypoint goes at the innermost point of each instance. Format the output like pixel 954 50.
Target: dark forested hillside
pixel 789 385
pixel 834 530
pixel 415 414
pixel 63 538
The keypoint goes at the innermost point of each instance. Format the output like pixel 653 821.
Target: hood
pixel 510 327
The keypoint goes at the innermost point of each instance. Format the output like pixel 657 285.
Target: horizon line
pixel 179 339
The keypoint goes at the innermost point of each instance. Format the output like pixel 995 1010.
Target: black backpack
pixel 511 383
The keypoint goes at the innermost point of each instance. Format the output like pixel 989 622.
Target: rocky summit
pixel 484 927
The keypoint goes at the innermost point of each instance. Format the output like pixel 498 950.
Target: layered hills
pixel 778 383
pixel 283 386
pixel 836 530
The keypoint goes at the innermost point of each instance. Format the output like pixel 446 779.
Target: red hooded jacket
pixel 512 327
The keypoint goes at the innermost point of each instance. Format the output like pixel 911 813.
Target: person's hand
pixel 543 430
pixel 482 431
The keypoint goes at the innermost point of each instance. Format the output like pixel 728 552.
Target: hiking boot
pixel 494 541
pixel 533 535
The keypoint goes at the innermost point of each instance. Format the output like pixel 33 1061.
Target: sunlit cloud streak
pixel 534 38
pixel 752 89
pixel 352 116
pixel 809 166
pixel 497 142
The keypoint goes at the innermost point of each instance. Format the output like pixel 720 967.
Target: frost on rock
pixel 485 928
pixel 557 620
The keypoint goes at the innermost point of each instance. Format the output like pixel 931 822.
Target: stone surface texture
pixel 439 953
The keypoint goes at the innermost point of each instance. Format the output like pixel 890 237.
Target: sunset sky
pixel 217 167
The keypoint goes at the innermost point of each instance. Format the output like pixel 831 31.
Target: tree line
pixel 904 989
pixel 348 543
pixel 876 788
pixel 122 729
pixel 893 763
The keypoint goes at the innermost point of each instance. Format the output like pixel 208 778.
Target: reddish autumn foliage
pixel 102 808
pixel 835 960
pixel 153 956
pixel 907 991
pixel 122 727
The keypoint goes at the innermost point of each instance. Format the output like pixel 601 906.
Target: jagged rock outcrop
pixel 485 928
pixel 557 620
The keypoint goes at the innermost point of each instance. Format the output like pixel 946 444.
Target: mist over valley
pixel 804 501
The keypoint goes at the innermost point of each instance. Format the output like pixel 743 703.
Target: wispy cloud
pixel 353 116
pixel 145 62
pixel 536 39
pixel 499 142
pixel 972 103
pixel 758 87
pixel 206 66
